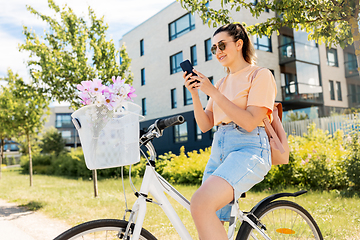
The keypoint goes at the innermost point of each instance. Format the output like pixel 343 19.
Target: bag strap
pixel 255 72
pixel 273 135
pixel 222 80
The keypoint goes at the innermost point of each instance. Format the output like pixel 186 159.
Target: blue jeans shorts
pixel 239 157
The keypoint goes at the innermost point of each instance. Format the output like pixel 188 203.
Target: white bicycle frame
pixel 157 186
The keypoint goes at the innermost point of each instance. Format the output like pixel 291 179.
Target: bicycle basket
pixel 108 139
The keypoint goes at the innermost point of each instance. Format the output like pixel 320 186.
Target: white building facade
pixel 309 77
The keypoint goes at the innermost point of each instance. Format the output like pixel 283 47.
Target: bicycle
pixel 268 219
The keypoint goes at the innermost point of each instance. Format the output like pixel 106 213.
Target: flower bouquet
pixel 108 125
pixel 106 100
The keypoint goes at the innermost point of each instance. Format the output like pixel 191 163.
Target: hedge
pixel 318 161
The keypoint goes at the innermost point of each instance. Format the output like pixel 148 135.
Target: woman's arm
pixel 204 119
pixel 248 119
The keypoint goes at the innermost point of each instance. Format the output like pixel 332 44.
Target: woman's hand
pixel 204 83
pixel 190 83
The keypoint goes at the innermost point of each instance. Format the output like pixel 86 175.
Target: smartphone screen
pixel 187 67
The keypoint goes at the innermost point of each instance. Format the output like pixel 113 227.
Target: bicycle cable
pixel 122 179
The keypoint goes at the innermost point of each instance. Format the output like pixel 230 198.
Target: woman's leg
pixel 212 195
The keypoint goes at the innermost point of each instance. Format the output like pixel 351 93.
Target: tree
pixel 296 116
pixel 6 114
pixel 72 51
pixel 328 21
pixel 28 109
pixel 52 141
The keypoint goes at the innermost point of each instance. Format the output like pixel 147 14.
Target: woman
pixel 240 154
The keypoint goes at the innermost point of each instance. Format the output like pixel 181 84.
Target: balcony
pixel 351 69
pixel 287 53
pixel 298 51
pixel 314 98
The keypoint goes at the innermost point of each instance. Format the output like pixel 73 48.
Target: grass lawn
pixel 73 200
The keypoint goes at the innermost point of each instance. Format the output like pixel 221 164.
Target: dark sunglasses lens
pixel 221 46
pixel 213 49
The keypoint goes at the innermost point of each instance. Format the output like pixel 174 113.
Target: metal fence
pixel 331 124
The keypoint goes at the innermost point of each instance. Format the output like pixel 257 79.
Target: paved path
pixel 18 223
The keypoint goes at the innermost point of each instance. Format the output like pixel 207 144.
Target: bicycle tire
pixel 101 229
pixel 283 220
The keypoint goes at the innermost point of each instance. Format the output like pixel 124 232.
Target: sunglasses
pixel 221 45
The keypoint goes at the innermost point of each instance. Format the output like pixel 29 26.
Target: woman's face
pixel 232 49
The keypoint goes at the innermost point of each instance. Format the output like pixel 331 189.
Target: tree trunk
pixel 94 174
pixel 30 159
pixel 1 154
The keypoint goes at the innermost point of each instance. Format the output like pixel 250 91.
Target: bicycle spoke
pixel 286 222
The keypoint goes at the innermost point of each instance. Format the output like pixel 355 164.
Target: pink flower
pixel 86 100
pixel 97 86
pixel 85 86
pixel 131 94
pixel 314 151
pixel 110 102
pixel 118 80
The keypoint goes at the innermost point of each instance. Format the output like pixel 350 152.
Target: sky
pixel 121 16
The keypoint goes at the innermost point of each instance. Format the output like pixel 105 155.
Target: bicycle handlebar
pixel 168 122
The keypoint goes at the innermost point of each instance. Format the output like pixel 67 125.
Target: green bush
pixel 353 160
pixel 52 141
pixel 70 164
pixel 318 161
pixel 187 168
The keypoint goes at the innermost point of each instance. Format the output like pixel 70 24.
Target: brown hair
pixel 237 31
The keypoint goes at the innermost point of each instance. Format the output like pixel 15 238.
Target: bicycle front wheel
pixel 103 229
pixel 282 220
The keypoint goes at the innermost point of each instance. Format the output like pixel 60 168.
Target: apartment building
pixel 309 77
pixel 60 118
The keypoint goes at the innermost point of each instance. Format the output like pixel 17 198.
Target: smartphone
pixel 188 68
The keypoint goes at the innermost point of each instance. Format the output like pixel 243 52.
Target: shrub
pixel 52 141
pixel 188 168
pixel 316 162
pixel 353 160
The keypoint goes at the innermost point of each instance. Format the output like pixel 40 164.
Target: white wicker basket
pixel 108 139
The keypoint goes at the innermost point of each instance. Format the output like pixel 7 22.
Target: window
pixel 63 120
pixel 173 98
pixel 350 65
pixel 358 93
pixel 66 135
pixel 263 43
pixel 193 55
pixel 142 76
pixel 143 105
pixel 141 47
pixel 198 132
pixel 208 54
pixel 187 97
pixel 180 133
pixel 352 91
pixel 332 91
pixel 338 90
pixel 181 26
pixel 175 61
pixel 332 59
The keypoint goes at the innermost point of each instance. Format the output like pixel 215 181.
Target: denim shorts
pixel 239 157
